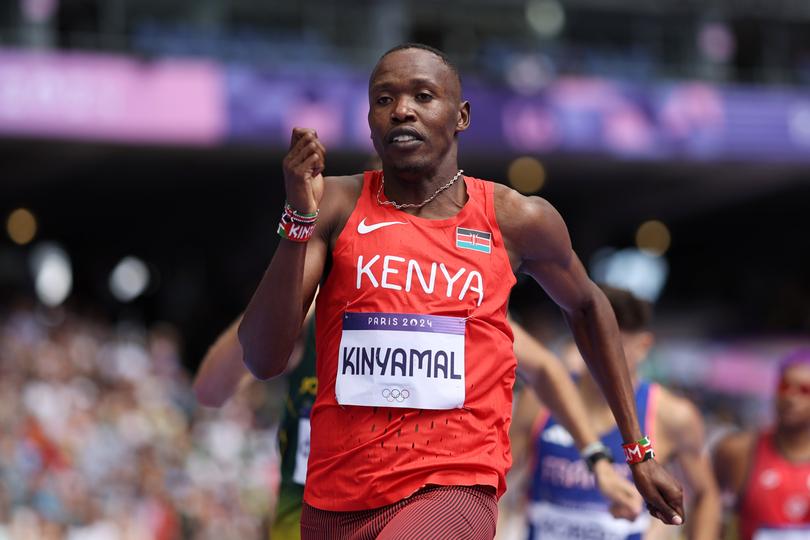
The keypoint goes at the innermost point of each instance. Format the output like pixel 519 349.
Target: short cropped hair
pixel 422 46
pixel 632 313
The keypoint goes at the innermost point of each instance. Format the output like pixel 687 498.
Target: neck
pixel 417 186
pixel 420 179
pixel 794 443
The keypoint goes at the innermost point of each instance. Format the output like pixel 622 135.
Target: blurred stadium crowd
pixel 102 439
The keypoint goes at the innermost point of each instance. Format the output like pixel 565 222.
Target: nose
pixel 402 111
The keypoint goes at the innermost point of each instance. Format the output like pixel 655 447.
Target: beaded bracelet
pixel 638 451
pixel 296 226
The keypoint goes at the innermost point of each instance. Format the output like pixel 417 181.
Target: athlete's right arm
pixel 731 461
pixel 548 378
pixel 221 373
pixel 553 385
pixel 274 316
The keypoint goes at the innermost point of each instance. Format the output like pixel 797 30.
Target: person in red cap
pixel 768 471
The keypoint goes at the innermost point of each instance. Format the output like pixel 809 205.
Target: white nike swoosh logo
pixel 362 228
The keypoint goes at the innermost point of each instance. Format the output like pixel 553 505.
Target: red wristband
pixel 638 451
pixel 296 226
pixel 295 231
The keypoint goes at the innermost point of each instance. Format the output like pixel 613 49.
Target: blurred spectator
pixel 100 439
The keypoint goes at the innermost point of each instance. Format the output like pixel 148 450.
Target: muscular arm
pixel 221 371
pixel 540 238
pixel 731 459
pixel 273 318
pixel 536 234
pixel 681 423
pixel 553 385
pixel 551 382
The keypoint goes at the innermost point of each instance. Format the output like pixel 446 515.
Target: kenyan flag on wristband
pixel 638 451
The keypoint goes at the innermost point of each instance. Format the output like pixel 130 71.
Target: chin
pixel 791 422
pixel 411 166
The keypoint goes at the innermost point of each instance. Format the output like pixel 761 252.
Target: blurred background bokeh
pixel 140 186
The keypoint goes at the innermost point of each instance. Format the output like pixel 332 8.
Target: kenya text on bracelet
pixel 292 230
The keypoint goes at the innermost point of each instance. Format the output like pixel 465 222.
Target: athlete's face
pixel 793 398
pixel 415 110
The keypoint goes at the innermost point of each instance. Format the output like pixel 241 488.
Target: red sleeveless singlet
pixel 776 499
pixel 414 355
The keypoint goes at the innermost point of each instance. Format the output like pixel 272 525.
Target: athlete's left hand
pixel 663 494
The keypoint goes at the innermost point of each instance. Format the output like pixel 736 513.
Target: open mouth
pixel 403 137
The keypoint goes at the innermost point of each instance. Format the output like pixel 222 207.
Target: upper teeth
pixel 404 138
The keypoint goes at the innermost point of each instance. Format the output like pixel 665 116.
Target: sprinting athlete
pixel 768 471
pixel 414 353
pixel 564 501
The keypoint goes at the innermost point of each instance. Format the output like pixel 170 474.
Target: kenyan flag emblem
pixel 474 240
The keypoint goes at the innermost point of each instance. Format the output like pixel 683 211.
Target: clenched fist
pixel 303 166
pixel 661 491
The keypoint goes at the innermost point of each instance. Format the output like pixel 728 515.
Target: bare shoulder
pixel 342 189
pixel 531 227
pixel 677 413
pixel 516 211
pixel 339 199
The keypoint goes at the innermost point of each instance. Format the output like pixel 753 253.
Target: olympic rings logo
pixel 395 394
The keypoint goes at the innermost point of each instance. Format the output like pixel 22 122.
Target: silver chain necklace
pixel 399 206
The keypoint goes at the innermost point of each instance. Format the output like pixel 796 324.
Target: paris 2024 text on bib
pixel 401 360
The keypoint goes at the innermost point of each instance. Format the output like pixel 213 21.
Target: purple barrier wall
pixel 687 120
pixel 89 96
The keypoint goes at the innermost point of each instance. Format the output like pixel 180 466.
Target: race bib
pixel 782 534
pixel 401 360
pixel 560 523
pixel 302 452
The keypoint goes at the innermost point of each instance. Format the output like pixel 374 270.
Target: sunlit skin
pixel 415 115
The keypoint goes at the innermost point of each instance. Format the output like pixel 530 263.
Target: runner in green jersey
pixel 220 376
pixel 293 438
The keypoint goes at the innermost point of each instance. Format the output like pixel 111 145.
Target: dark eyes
pixel 422 97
